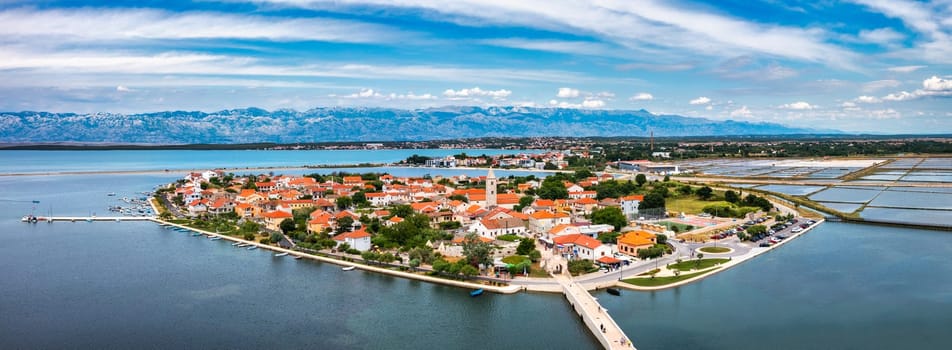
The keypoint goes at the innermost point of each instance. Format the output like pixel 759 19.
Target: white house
pixel 492 228
pixel 359 240
pixel 629 205
pixel 580 246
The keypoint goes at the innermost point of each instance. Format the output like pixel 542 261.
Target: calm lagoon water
pixel 842 207
pixel 795 190
pixel 136 285
pixel 840 286
pixel 58 161
pixel 849 195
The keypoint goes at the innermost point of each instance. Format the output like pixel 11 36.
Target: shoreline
pixel 754 252
pixel 510 289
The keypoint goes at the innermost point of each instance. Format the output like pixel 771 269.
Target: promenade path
pixel 593 315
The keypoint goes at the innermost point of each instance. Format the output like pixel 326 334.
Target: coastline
pixel 510 289
pixel 754 252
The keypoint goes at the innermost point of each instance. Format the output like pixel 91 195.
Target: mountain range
pixel 252 125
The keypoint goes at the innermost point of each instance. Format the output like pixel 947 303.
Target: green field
pixel 715 250
pixel 661 281
pixel 693 264
pixel 688 204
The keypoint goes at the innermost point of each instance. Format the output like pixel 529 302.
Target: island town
pixel 563 233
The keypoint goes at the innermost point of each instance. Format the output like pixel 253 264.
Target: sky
pixel 871 66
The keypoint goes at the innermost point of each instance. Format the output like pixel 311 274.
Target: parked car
pixel 765 244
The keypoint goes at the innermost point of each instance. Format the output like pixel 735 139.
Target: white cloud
pixel 937 84
pixel 867 99
pixel 933 86
pixel 606 94
pixel 647 27
pixel 364 93
pixel 904 69
pixel 798 106
pixel 411 96
pixel 882 36
pixel 476 92
pixel 567 93
pixel 709 108
pixel 131 24
pixel 123 88
pixel 880 84
pixel 641 96
pixel 588 103
pixel 593 103
pixel 885 114
pixel 900 96
pixel 849 106
pixel 560 46
pixel 743 111
pixel 700 101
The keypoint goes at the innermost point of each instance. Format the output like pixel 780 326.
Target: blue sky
pixel 881 66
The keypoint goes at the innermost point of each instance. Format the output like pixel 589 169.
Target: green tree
pixel 610 216
pixel 661 238
pixel 652 200
pixel 756 230
pixel 276 237
pixel 685 190
pixel 459 197
pixel 697 262
pixel 550 166
pixel 535 255
pixel 468 271
pixel 579 266
pixel 345 224
pixel 704 193
pixel 441 266
pixel 552 188
pixel 731 196
pixel 641 179
pixel 248 236
pixel 344 202
pixel 524 202
pixel 414 263
pixel 667 178
pixel 476 251
pixel 526 246
pixel 287 225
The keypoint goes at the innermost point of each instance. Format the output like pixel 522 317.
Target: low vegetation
pixel 661 281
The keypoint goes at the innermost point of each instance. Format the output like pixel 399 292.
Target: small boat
pixel 196 234
pixel 281 254
pixel 212 238
pixel 111 194
pixel 614 291
pixel 349 268
pixel 298 257
pixel 253 247
pixel 236 243
pixel 476 293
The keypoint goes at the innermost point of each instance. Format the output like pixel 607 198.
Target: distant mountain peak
pixel 322 124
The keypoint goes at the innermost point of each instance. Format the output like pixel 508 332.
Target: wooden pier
pixel 42 219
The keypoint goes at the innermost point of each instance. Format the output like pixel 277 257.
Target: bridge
pixel 593 315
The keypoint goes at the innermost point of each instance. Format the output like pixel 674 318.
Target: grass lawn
pixel 660 281
pixel 515 259
pixel 715 250
pixel 688 265
pixel 688 204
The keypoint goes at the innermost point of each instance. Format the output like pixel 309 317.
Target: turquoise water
pixel 840 286
pixel 136 285
pixel 57 161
